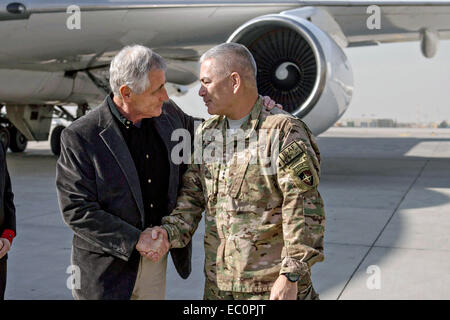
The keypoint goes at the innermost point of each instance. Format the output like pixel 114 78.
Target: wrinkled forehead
pixel 157 77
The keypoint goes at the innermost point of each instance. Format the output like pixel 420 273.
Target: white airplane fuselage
pixel 59 53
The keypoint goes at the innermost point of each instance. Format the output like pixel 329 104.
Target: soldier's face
pixel 216 89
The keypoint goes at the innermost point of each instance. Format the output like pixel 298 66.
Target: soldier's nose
pixel 201 91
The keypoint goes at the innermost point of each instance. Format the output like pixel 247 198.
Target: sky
pixel 396 81
pixel 390 81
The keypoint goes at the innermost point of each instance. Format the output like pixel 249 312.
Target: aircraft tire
pixel 55 140
pixel 4 137
pixel 18 142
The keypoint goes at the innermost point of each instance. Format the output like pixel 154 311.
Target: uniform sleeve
pixel 183 221
pixel 77 195
pixel 303 215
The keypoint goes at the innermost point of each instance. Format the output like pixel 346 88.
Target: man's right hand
pixel 153 243
pixel 4 247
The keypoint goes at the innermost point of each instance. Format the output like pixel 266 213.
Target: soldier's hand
pixel 283 289
pixel 4 247
pixel 160 244
pixel 270 104
pixel 145 242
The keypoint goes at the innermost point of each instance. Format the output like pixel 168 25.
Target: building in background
pixel 387 123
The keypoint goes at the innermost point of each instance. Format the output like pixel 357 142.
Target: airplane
pixel 57 53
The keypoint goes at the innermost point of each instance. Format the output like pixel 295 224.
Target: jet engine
pixel 299 66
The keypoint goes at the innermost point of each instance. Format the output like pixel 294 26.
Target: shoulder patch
pixel 307 177
pixel 289 153
pixel 298 164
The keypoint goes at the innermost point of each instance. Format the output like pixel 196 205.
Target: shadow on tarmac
pixel 365 181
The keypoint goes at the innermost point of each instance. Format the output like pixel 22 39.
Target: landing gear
pixel 18 142
pixel 21 123
pixel 63 114
pixel 4 137
pixel 55 140
pixel 13 139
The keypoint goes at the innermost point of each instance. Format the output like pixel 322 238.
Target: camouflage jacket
pixel 258 223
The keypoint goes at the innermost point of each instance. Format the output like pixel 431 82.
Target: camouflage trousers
pixel 212 292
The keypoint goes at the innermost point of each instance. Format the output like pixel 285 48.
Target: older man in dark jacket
pixel 115 179
pixel 7 219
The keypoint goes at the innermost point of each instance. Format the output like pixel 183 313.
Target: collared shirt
pixel 150 158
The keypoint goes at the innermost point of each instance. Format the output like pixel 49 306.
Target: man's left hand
pixel 5 246
pixel 283 289
pixel 270 104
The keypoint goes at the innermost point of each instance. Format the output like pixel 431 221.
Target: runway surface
pixel 387 202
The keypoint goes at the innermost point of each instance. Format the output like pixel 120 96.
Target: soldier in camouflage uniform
pixel 264 230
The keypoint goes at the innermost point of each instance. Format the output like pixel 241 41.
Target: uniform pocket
pixel 239 170
pixel 209 173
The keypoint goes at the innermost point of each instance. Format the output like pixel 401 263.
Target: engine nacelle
pixel 300 67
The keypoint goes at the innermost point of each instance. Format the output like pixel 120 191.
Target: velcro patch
pixel 295 161
pixel 291 152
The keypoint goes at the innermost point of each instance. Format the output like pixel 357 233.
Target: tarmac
pixel 387 202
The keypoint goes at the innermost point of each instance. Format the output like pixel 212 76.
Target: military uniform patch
pixel 307 177
pixel 297 162
pixel 289 153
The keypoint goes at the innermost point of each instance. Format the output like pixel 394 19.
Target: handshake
pixel 153 243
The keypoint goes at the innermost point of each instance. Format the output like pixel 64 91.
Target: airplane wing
pixel 359 23
pixel 56 52
pixel 35 34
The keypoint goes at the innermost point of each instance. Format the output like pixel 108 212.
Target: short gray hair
pixel 131 67
pixel 234 57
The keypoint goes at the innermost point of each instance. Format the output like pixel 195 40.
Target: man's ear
pixel 125 93
pixel 236 81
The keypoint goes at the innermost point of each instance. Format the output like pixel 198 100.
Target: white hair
pixel 233 57
pixel 131 67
